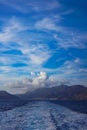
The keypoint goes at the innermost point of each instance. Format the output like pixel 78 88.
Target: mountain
pixel 63 92
pixel 9 101
pixel 8 97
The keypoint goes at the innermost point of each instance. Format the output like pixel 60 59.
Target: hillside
pixel 6 96
pixel 75 92
pixel 9 101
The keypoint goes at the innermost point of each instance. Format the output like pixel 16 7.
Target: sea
pixel 42 115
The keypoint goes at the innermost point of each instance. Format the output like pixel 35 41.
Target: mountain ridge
pixel 4 95
pixel 9 101
pixel 62 92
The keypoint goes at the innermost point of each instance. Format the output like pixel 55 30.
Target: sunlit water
pixel 42 116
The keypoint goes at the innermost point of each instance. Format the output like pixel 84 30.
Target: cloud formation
pixel 28 6
pixel 64 36
pixel 29 84
pixel 39 37
pixel 25 52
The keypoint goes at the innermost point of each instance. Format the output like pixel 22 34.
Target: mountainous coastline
pixel 63 92
pixel 63 95
pixel 9 101
pixel 7 96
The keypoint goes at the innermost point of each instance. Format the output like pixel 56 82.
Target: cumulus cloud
pixel 32 73
pixel 43 75
pixel 39 81
pixel 30 84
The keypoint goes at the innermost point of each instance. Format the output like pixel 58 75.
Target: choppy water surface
pixel 42 116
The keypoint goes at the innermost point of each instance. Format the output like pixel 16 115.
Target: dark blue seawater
pixel 42 116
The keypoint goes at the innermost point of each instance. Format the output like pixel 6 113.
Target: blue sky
pixel 42 43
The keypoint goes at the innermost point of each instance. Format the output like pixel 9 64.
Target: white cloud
pixel 27 84
pixel 48 24
pixel 10 30
pixel 69 40
pixel 45 24
pixel 64 36
pixel 37 54
pixel 67 12
pixel 4 69
pixel 77 60
pixel 44 5
pixel 32 73
pixel 28 6
pixel 43 76
pixel 41 80
pixel 39 58
pixel 68 68
pixel 83 70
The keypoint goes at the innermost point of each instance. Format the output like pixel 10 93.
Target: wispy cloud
pixel 37 54
pixel 69 40
pixel 27 6
pixel 77 60
pixel 83 70
pixel 10 30
pixel 40 39
pixel 47 24
pixel 27 53
pixel 64 36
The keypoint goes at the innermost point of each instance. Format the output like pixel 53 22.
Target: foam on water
pixel 42 116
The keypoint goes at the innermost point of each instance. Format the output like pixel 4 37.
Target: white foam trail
pixel 42 116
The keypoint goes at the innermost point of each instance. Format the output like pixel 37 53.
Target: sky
pixel 43 43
